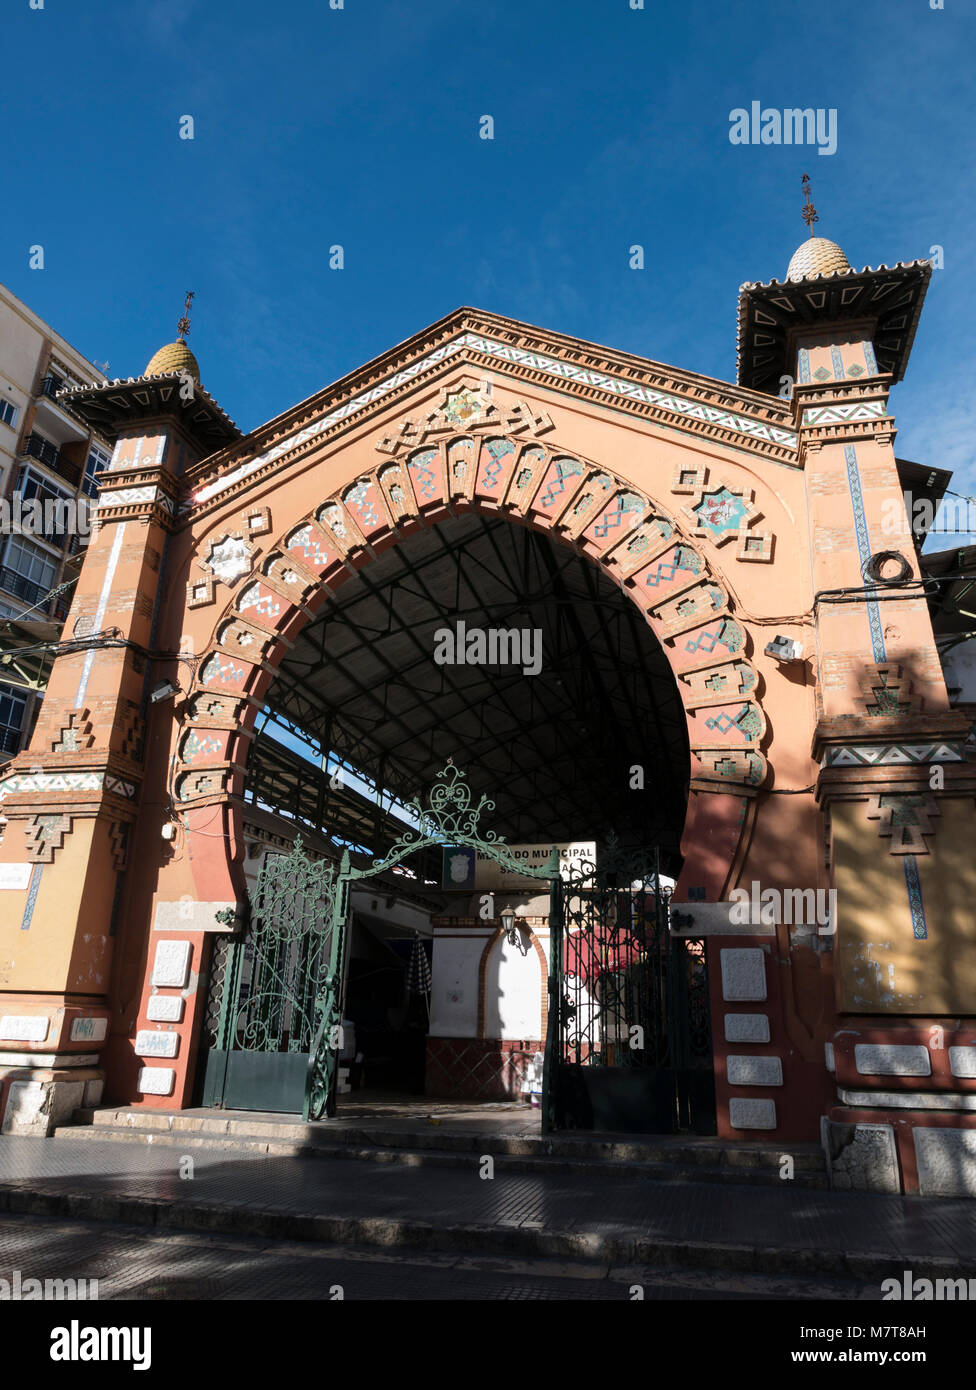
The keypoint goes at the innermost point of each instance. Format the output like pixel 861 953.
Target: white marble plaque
pixel 748 1028
pixel 892 1059
pixel 754 1071
pixel 15 875
pixel 743 973
pixel 752 1114
pixel 165 1008
pixel 152 1042
pixel 156 1081
pixel 89 1029
pixel 172 964
pixel 24 1027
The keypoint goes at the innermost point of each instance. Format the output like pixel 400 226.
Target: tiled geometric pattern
pixel 44 835
pixel 424 478
pixel 916 906
pixel 887 692
pixel 678 406
pixel 264 603
pixel 883 754
pixel 40 782
pixel 906 819
pixel 220 670
pixel 864 548
pixel 76 735
pixel 308 544
pixel 725 632
pixel 844 414
pixel 197 745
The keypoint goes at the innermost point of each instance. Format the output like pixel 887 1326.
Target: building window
pixel 13 708
pixel 57 521
pixel 98 459
pixel 29 562
pixel 8 412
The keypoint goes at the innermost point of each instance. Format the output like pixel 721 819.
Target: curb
pixel 533 1242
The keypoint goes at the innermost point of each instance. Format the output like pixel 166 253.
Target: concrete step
pixel 664 1160
pixel 763 1254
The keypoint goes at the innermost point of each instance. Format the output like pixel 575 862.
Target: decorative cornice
pixel 115 406
pixel 694 404
pixel 770 316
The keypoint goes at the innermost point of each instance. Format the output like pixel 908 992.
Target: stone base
pixel 913 1142
pixel 34 1101
pixel 861 1157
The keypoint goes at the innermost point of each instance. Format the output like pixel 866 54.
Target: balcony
pixel 51 385
pixel 37 447
pixel 16 584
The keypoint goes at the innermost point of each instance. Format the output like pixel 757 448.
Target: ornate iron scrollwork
pixel 629 998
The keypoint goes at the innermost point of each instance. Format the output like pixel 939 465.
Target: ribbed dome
pixel 816 256
pixel 174 357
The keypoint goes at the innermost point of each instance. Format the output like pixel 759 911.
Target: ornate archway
pixel 469 454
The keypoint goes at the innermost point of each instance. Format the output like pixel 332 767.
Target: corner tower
pixel 894 787
pixel 72 799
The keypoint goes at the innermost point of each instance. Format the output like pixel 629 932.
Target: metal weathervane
pixel 809 212
pixel 183 327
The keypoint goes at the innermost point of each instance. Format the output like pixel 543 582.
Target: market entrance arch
pixel 510 484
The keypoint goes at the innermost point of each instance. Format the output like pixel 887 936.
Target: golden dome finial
pixel 176 357
pixel 818 256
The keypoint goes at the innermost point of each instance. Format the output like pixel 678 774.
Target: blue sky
pixel 360 126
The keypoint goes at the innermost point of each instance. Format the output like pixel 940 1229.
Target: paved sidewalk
pixel 563 1216
pixel 133 1262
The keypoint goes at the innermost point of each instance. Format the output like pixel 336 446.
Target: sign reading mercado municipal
pixel 466 869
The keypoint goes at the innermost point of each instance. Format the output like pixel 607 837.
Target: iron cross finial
pixel 184 324
pixel 809 213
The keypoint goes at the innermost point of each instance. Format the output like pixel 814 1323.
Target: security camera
pixel 784 649
pixel 165 690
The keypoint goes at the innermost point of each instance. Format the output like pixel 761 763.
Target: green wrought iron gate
pixel 274 1008
pixel 628 1046
pixel 275 988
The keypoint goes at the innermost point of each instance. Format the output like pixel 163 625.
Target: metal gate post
pixel 320 1079
pixel 550 1062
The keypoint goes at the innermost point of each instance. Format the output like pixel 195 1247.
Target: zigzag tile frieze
pixel 667 403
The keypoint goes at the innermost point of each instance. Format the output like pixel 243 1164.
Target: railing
pixel 43 449
pixel 51 385
pixel 26 589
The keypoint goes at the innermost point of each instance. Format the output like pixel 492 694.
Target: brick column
pixel 71 798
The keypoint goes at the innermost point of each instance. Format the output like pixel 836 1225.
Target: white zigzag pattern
pixel 506 352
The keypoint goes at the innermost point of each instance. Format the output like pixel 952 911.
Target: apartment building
pixel 49 462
